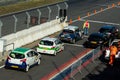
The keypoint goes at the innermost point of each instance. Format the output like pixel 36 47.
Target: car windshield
pixel 95 38
pixel 67 31
pixel 17 55
pixel 47 43
pixel 104 30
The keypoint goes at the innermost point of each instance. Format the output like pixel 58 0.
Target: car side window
pixel 113 30
pixel 58 41
pixel 29 54
pixel 77 30
pixel 34 53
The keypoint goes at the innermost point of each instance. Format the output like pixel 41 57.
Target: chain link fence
pixel 15 22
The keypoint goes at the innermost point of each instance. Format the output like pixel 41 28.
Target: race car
pixel 107 51
pixel 96 39
pixel 109 30
pixel 49 45
pixel 71 34
pixel 22 58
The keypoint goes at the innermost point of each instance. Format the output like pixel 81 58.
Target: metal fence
pixel 15 22
pixel 77 66
pixel 89 57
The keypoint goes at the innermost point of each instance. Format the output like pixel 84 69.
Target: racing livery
pixel 22 58
pixel 50 45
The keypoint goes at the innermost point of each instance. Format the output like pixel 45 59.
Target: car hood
pixel 66 35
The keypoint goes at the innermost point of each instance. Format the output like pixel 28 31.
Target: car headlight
pixel 100 42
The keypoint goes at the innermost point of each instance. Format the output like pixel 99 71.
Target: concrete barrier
pixel 32 34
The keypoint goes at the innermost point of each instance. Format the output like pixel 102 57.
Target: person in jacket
pixel 113 51
pixel 86 26
pixel 118 46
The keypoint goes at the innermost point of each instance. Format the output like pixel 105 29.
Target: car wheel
pixel 73 41
pixel 55 53
pixel 27 68
pixel 82 36
pixel 62 48
pixel 38 61
pixel 6 67
pixel 101 47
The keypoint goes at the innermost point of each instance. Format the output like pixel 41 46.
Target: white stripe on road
pixel 2 66
pixel 74 45
pixel 82 18
pixel 102 22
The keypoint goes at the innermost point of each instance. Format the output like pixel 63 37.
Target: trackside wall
pixel 32 34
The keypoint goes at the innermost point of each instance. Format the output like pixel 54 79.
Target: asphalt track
pixel 50 63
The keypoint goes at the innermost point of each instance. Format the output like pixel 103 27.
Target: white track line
pixel 102 22
pixel 2 66
pixel 82 18
pixel 74 45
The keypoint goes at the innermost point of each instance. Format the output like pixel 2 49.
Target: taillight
pixel 38 44
pixel 8 58
pixel 53 47
pixel 107 48
pixel 23 60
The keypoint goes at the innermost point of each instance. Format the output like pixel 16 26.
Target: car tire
pixel 55 53
pixel 27 68
pixel 39 61
pixel 82 36
pixel 73 41
pixel 62 48
pixel 6 67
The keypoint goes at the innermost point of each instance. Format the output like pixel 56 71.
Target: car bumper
pixel 92 45
pixel 66 39
pixel 18 66
pixel 45 51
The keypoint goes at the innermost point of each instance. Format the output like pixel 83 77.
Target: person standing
pixel 113 52
pixel 86 26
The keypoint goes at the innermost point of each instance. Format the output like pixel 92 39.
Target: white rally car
pixel 50 45
pixel 22 58
pixel 107 51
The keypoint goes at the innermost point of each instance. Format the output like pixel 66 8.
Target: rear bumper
pixel 45 51
pixel 66 39
pixel 19 66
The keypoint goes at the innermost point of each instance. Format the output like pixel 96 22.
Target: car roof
pixel 73 28
pixel 116 40
pixel 20 50
pixel 107 27
pixel 97 34
pixel 49 39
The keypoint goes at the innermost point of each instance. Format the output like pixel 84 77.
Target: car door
pixel 58 45
pixel 35 57
pixel 78 34
pixel 29 58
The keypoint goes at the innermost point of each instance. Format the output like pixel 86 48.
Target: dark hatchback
pixel 95 40
pixel 109 30
pixel 71 34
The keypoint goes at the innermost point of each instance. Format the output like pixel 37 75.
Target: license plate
pixel 93 42
pixel 14 66
pixel 45 48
